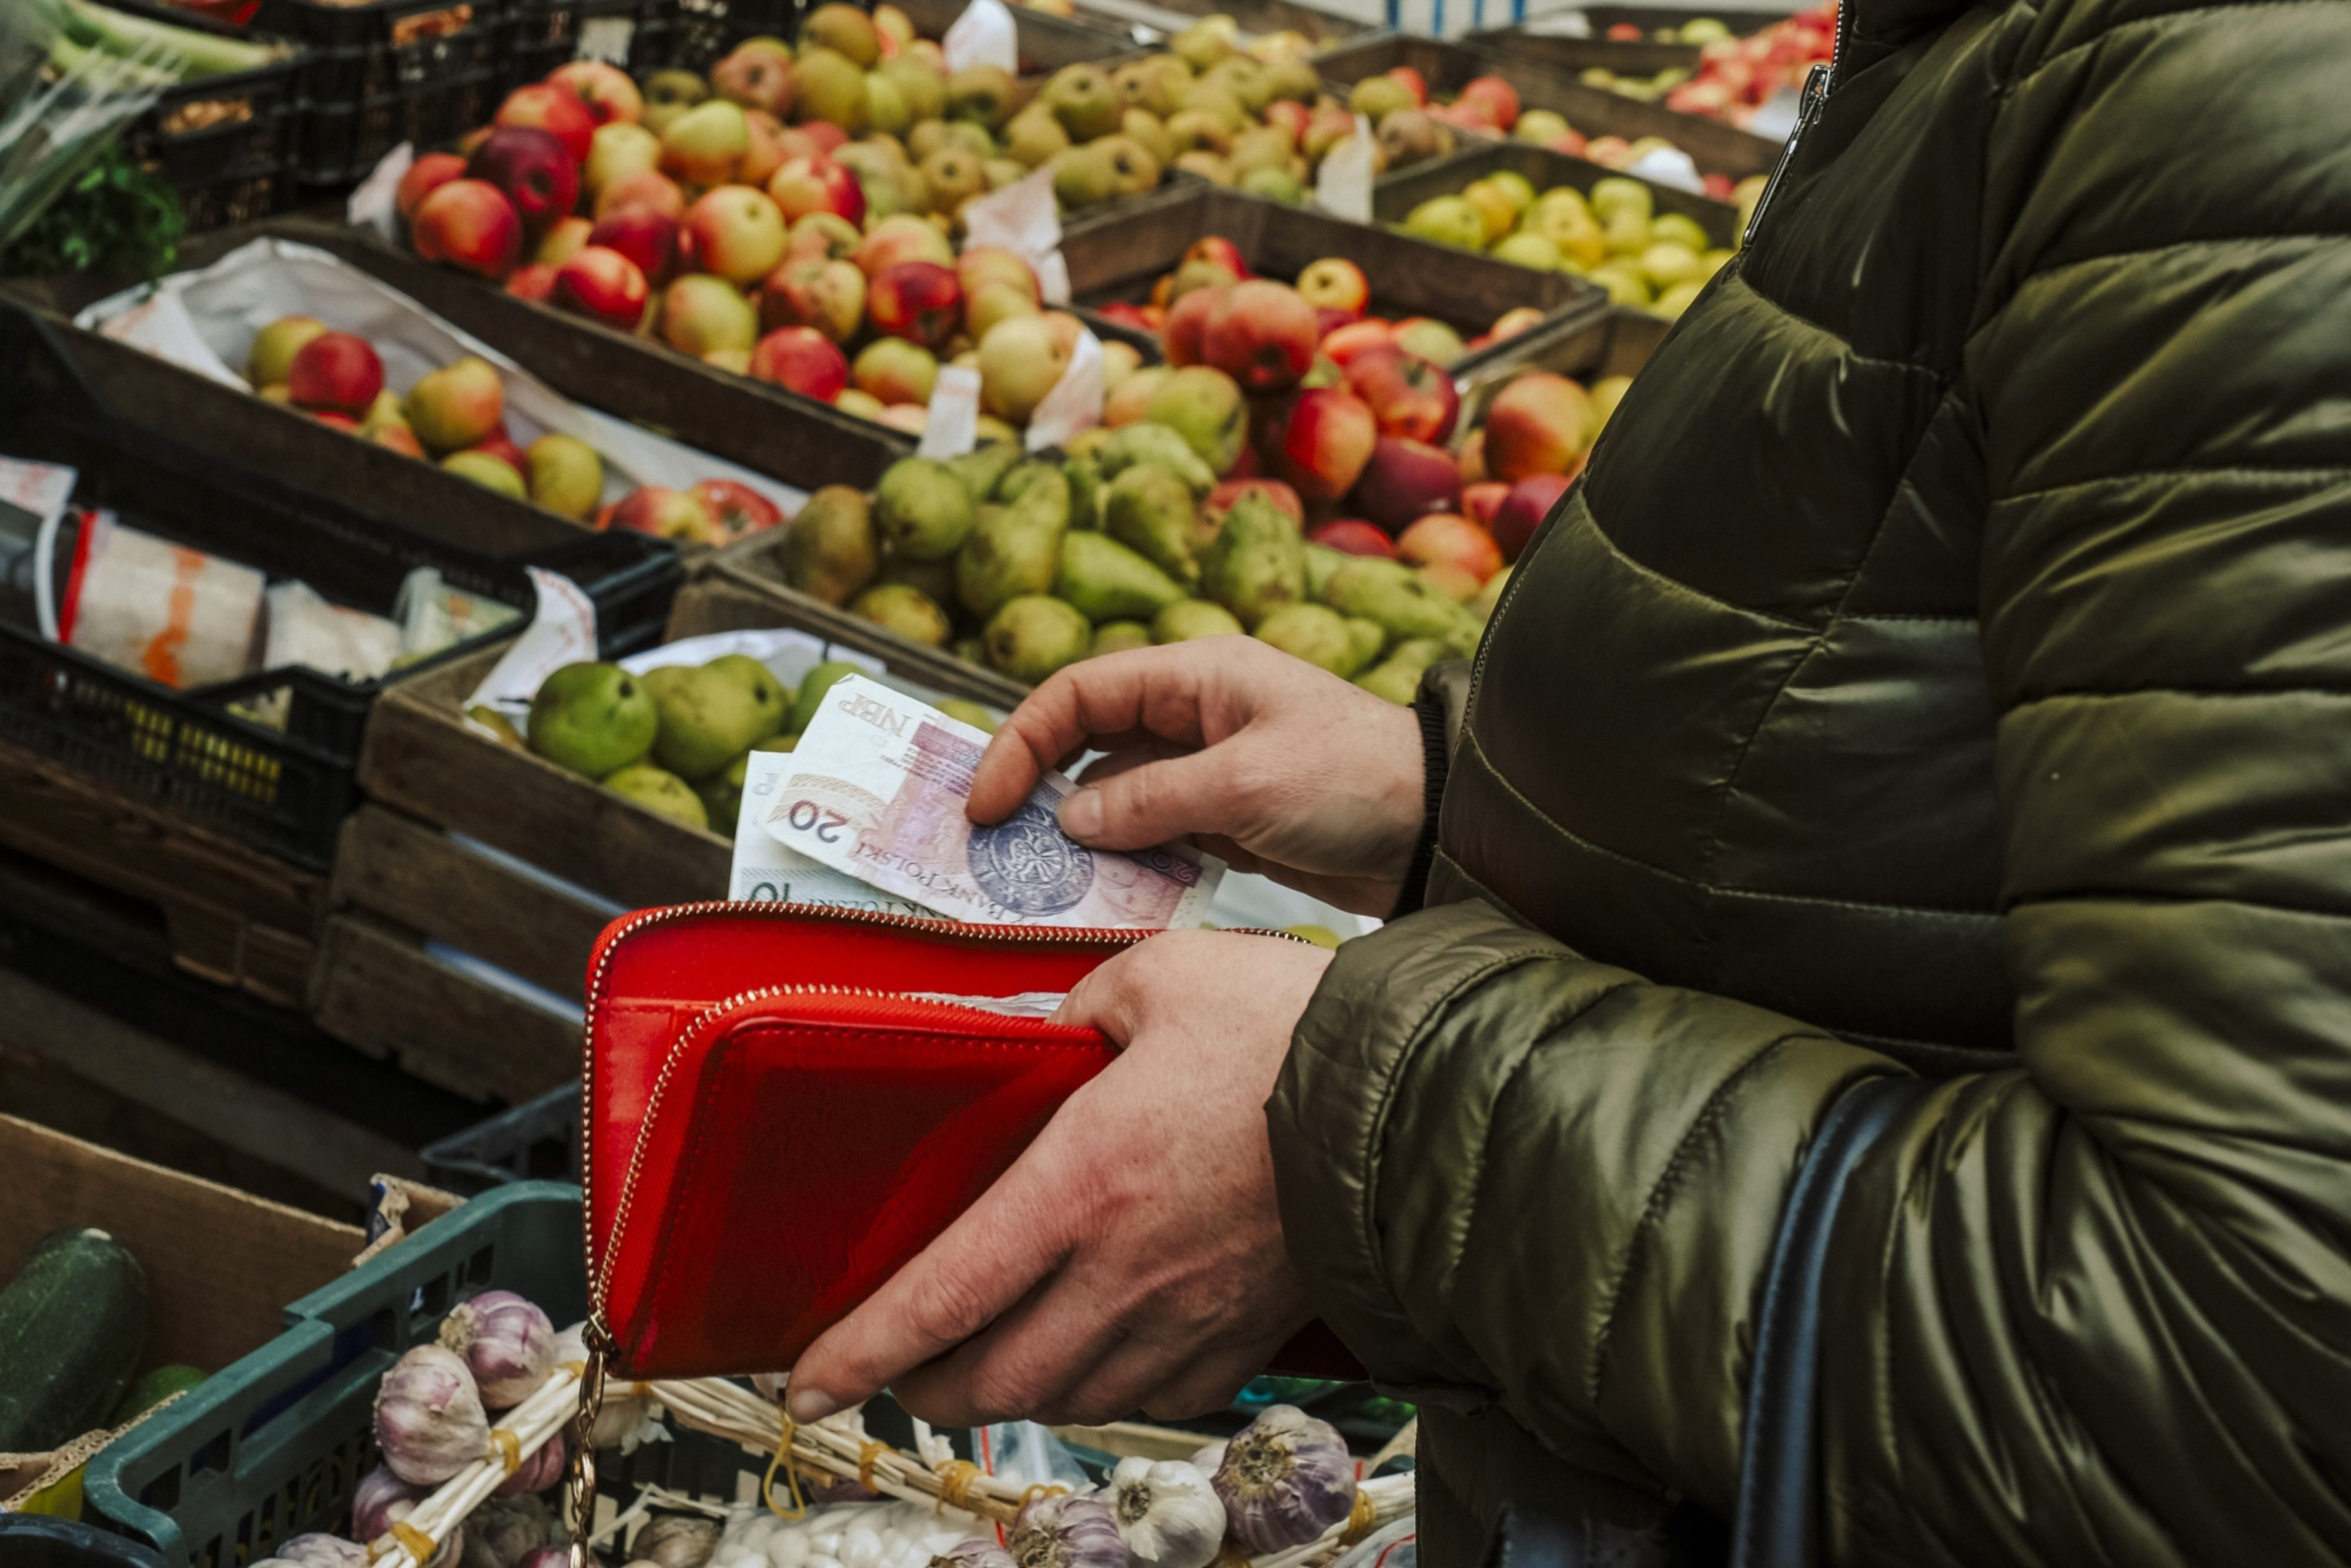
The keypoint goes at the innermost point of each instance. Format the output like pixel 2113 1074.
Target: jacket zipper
pixel 1808 108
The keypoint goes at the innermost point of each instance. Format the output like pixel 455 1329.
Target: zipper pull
pixel 1808 108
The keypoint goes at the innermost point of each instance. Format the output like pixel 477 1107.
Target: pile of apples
pixel 456 416
pixel 1737 76
pixel 1614 236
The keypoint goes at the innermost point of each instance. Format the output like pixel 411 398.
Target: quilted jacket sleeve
pixel 2096 1310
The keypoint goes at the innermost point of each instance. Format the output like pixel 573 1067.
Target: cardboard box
pixel 221 1267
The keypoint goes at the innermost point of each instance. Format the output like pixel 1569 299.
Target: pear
pixel 1015 551
pixel 1397 676
pixel 923 509
pixel 592 719
pixel 971 713
pixel 1366 638
pixel 982 468
pixel 1086 487
pixel 1104 581
pixel 1160 446
pixel 656 790
pixel 1151 511
pixel 813 685
pixel 1321 563
pixel 1083 176
pixel 1034 136
pixel 1082 99
pixel 906 610
pixel 721 795
pixel 934 579
pixel 1031 636
pixel 775 703
pixel 1117 636
pixel 708 716
pixel 1188 618
pixel 982 94
pixel 1257 562
pixel 1312 633
pixel 1396 596
pixel 830 550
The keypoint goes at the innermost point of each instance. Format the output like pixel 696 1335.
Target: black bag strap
pixel 1779 1490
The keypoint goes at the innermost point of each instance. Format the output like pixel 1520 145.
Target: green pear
pixel 1151 511
pixel 813 685
pixel 1366 638
pixel 934 579
pixel 1146 441
pixel 922 509
pixel 982 468
pixel 1257 562
pixel 830 550
pixel 906 610
pixel 1397 676
pixel 656 790
pixel 1312 633
pixel 1189 618
pixel 1104 581
pixel 1031 636
pixel 971 713
pixel 594 719
pixel 763 685
pixel 1393 595
pixel 1117 636
pixel 1321 563
pixel 1016 550
pixel 721 795
pixel 1082 99
pixel 708 716
pixel 1086 487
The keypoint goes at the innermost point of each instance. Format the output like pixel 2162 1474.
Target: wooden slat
pixel 416 876
pixel 377 989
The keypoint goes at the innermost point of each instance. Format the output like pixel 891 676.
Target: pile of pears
pixel 1613 235
pixel 1026 564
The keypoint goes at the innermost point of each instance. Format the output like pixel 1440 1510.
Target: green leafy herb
pixel 115 217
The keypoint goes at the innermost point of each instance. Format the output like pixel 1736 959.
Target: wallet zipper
pixel 597 1330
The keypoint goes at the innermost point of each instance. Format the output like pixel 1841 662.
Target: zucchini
pixel 70 1326
pixel 152 1388
pixel 194 53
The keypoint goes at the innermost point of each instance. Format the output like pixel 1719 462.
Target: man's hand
pixel 1131 1258
pixel 1259 758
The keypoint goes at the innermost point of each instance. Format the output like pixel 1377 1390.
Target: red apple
pixel 767 153
pixel 1480 501
pixel 602 284
pixel 817 184
pixel 1404 480
pixel 1456 583
pixel 829 138
pixel 829 295
pixel 1496 100
pixel 1291 116
pixel 664 513
pixel 1523 509
pixel 501 445
pixel 1186 330
pixel 562 241
pixel 736 510
pixel 757 76
pixel 1408 396
pixel 902 236
pixel 1328 319
pixel 468 224
pixel 425 176
pixel 1446 539
pixel 399 438
pixel 338 370
pixel 1353 536
pixel 604 90
pixel 1220 250
pixel 333 421
pixel 1326 442
pixel 645 188
pixel 804 359
pixel 533 168
pixel 737 231
pixel 554 110
pixel 1470 454
pixel 1540 424
pixel 1335 283
pixel 1344 343
pixel 536 281
pixel 1263 336
pixel 1414 83
pixel 1127 314
pixel 918 300
pixel 644 236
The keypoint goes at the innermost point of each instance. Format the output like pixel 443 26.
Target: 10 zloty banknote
pixel 876 788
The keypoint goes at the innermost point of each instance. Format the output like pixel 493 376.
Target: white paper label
pixel 1343 186
pixel 1075 403
pixel 952 425
pixel 983 36
pixel 563 632
pixel 1023 219
pixel 607 38
pixel 1667 166
pixel 372 206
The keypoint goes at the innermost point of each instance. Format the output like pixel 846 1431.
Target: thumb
pixel 1138 806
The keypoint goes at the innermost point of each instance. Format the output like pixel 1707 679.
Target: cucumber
pixel 71 1325
pixel 152 1388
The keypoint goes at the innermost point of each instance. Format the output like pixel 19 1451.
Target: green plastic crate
pixel 273 1446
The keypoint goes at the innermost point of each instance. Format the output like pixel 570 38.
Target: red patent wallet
pixel 775 1122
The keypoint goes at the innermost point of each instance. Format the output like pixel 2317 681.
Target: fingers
pixel 1022 1367
pixel 983 1263
pixel 1150 804
pixel 1153 690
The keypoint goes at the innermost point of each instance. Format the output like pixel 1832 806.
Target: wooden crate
pixel 1615 342
pixel 1119 258
pixel 1396 195
pixel 1047 42
pixel 519 863
pixel 1715 148
pixel 1153 21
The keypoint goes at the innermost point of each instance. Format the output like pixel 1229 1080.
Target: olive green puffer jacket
pixel 1945 667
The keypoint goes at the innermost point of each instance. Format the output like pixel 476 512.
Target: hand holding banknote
pixel 1256 756
pixel 877 789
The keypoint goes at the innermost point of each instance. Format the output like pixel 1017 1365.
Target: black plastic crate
pixel 341 143
pixel 538 1140
pixel 362 53
pixel 637 36
pixel 285 791
pixel 707 30
pixel 225 144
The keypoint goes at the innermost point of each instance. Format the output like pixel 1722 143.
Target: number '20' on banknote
pixel 877 786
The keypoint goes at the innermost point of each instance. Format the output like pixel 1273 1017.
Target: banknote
pixel 876 789
pixel 766 872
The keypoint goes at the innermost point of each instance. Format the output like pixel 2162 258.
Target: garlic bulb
pixel 500 1532
pixel 507 1343
pixel 538 1472
pixel 1066 1532
pixel 977 1552
pixel 1167 1513
pixel 1285 1479
pixel 1207 1459
pixel 371 1501
pixel 428 1417
pixel 321 1552
pixel 674 1541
